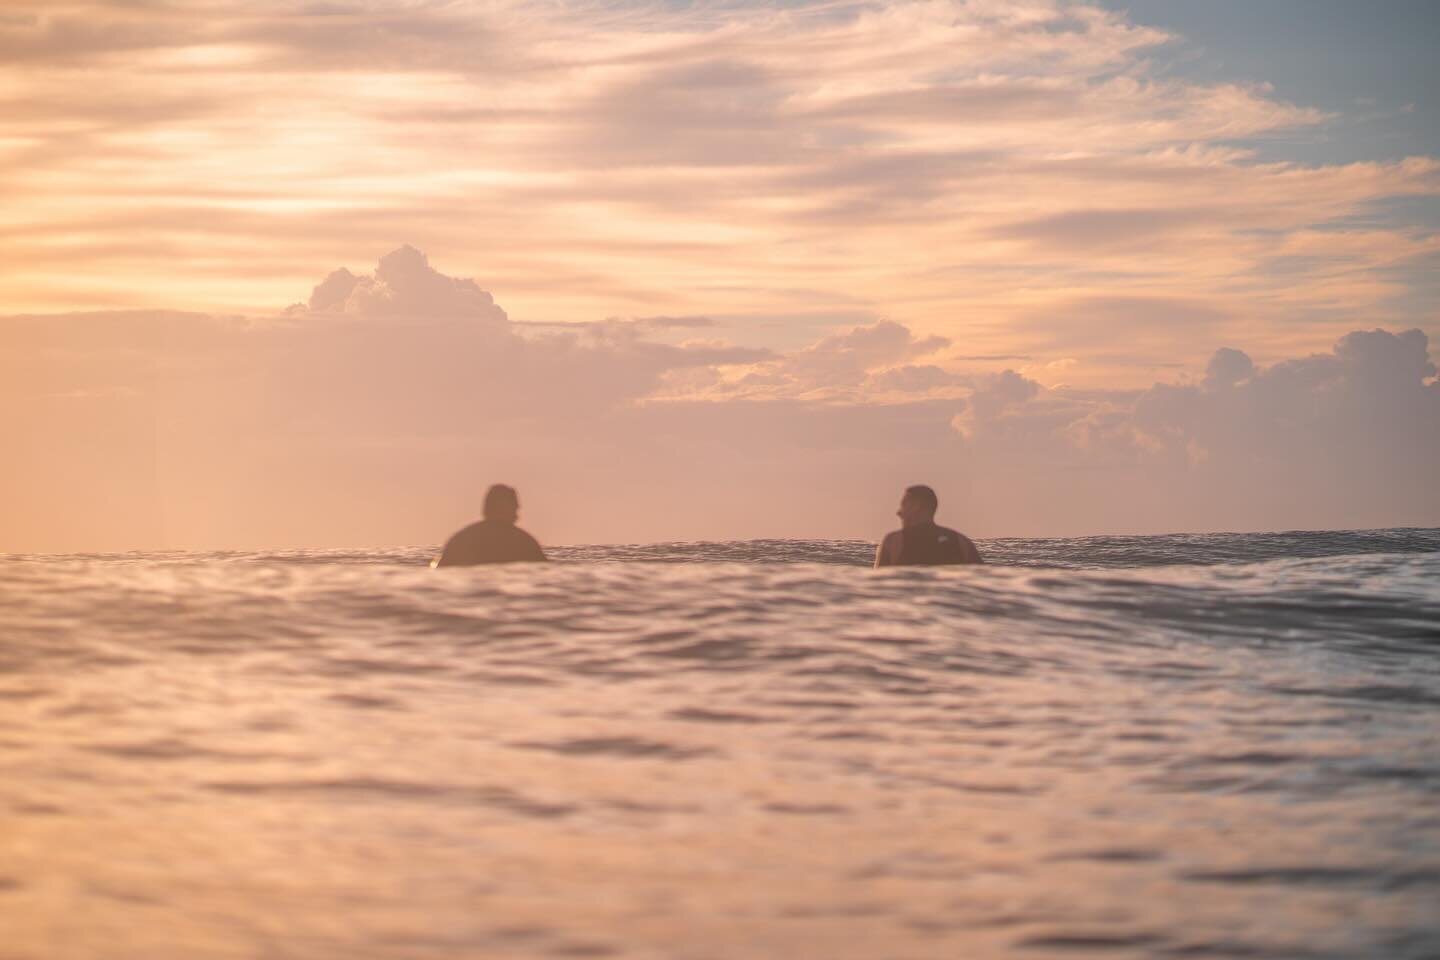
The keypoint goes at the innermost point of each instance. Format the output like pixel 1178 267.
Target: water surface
pixel 1220 746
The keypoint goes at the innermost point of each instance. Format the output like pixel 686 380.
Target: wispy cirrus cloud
pixel 961 168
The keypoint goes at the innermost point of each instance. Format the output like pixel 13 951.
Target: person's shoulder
pixel 888 551
pixel 966 545
pixel 530 544
pixel 460 549
pixel 469 532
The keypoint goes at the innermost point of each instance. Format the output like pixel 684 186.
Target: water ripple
pixel 1193 746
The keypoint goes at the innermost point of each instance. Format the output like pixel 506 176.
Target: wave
pixel 1089 552
pixel 1061 751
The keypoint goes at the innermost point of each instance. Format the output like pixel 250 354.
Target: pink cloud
pixel 379 424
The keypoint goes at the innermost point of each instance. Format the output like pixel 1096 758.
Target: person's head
pixel 917 506
pixel 502 504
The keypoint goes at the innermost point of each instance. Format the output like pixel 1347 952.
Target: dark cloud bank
pixel 377 412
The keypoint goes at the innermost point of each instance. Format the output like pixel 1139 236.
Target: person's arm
pixel 885 553
pixel 458 550
pixel 972 552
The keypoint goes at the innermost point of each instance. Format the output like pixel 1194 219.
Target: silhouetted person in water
pixel 495 539
pixel 920 540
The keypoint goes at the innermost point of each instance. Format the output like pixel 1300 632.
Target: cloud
pixel 1111 230
pixel 845 359
pixel 166 427
pixel 1127 328
pixel 74 36
pixel 404 284
pixel 377 416
pixel 745 189
pixel 1371 393
pixel 1227 368
pixel 674 323
pixel 960 167
pixel 1002 391
pixel 915 378
pixel 1350 437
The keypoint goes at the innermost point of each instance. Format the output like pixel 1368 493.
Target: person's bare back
pixel 496 539
pixel 920 540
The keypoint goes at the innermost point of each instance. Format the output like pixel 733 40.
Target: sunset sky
pixel 714 270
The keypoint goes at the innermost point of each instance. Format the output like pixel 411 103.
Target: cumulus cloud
pixel 1371 393
pixel 377 419
pixel 847 359
pixel 1001 391
pixel 404 284
pixel 1350 437
pixel 915 378
pixel 1227 368
pixel 214 429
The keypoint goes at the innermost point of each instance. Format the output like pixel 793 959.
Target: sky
pixel 316 273
pixel 1365 65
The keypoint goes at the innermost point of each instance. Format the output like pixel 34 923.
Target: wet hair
pixel 924 496
pixel 501 500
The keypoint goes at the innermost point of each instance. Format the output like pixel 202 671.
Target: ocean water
pixel 1188 746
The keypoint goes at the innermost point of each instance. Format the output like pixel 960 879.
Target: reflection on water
pixel 347 755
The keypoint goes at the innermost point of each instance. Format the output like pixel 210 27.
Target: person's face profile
pixel 909 511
